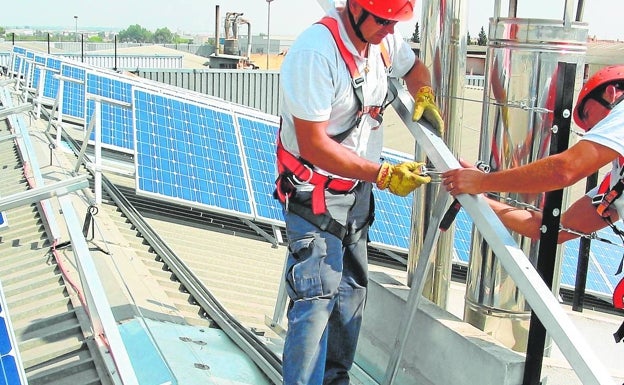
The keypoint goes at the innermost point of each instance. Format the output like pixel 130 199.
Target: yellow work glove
pixel 401 179
pixel 424 104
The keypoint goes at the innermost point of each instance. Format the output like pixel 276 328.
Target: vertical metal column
pixel 443 50
pixel 519 97
pixel 562 119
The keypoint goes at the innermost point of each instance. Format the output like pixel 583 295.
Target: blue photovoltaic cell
pixel 18 56
pixel 392 225
pixel 463 236
pixel 604 261
pixel 40 61
pixel 73 91
pixel 28 66
pixel 189 153
pixel 259 147
pixel 53 67
pixel 595 282
pixel 116 121
pixel 9 368
pixel 19 50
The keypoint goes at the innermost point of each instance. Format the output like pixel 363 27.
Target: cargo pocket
pixel 304 273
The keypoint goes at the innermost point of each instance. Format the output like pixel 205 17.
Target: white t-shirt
pixel 316 86
pixel 609 132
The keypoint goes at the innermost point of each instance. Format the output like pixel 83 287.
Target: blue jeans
pixel 326 281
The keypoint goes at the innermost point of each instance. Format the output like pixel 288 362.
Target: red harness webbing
pixel 356 78
pixel 287 162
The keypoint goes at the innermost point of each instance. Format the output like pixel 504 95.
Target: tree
pixel 482 37
pixel 468 39
pixel 2 31
pixel 163 36
pixel 135 34
pixel 416 34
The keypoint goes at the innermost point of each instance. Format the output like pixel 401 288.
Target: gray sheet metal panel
pixel 252 88
pixel 128 62
pixel 521 75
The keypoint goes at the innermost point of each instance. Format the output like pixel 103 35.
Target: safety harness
pixel 294 170
pixel 604 199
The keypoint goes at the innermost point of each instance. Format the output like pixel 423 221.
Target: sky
pixel 287 17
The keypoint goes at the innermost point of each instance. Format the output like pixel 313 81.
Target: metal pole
pixel 565 77
pixel 579 10
pixel 583 258
pixel 76 29
pixel 268 31
pixel 115 46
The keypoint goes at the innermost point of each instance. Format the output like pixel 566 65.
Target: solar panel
pixel 11 370
pixel 53 67
pixel 73 91
pixel 189 153
pixel 116 120
pixel 258 137
pixel 18 56
pixel 27 70
pixel 40 62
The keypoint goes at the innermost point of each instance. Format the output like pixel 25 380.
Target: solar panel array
pixel 190 153
pixel 199 150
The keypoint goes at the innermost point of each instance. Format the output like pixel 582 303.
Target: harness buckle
pixel 358 82
pixel 310 171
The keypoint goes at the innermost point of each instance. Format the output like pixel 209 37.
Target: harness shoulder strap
pixel 347 57
pixel 356 78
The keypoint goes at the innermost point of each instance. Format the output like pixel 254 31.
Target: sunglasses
pixel 383 22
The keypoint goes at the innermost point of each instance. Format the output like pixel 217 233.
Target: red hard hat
pixel 397 10
pixel 610 74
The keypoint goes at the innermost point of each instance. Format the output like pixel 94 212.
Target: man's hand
pixel 401 179
pixel 424 104
pixel 464 180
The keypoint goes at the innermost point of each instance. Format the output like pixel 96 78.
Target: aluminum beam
pixel 45 192
pixel 99 309
pixel 7 111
